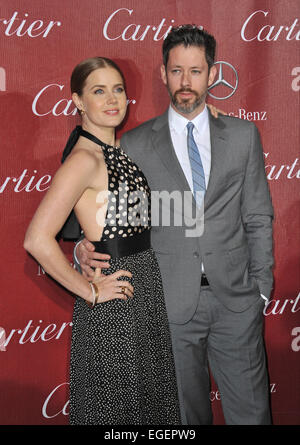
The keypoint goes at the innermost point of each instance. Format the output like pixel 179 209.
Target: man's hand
pixel 215 111
pixel 88 258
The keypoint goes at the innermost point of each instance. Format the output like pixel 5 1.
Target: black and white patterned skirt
pixel 122 370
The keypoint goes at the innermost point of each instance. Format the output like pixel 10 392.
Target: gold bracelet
pixel 95 292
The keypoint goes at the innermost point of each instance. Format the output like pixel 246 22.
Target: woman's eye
pixel 99 91
pixel 119 90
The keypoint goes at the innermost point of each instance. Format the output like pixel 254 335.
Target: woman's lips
pixel 112 112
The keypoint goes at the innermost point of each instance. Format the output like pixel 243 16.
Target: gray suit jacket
pixel 236 245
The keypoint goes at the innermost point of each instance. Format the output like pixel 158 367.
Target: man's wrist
pixel 264 298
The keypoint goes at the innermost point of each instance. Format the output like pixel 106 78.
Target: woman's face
pixel 103 98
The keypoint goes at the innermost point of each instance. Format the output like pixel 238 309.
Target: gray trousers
pixel 230 345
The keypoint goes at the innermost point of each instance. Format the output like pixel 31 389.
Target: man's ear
pixel 212 75
pixel 163 74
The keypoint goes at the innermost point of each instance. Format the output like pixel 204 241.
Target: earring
pixel 81 112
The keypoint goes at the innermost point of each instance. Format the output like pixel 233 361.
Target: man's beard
pixel 184 106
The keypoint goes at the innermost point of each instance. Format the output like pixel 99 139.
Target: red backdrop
pixel 41 42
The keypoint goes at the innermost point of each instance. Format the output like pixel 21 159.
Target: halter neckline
pixel 93 138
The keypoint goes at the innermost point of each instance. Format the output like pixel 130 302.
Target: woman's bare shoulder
pixel 82 159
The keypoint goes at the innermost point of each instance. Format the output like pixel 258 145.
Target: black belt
pixel 204 280
pixel 119 247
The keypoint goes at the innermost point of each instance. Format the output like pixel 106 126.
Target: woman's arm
pixel 68 185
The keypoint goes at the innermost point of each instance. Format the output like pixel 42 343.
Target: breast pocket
pixel 229 179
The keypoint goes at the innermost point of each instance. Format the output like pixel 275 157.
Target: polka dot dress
pixel 122 370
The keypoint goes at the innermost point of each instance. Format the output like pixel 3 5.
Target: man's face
pixel 187 79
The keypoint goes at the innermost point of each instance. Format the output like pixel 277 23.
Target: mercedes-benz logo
pixel 232 85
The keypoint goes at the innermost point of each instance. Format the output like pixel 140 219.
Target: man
pixel 215 284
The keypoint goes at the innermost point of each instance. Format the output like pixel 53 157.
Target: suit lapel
pixel 218 140
pixel 163 146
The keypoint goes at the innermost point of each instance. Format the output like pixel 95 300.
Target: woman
pixel 121 369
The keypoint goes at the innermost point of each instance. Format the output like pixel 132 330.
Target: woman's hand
pixel 110 287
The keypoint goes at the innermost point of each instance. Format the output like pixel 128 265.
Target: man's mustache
pixel 186 90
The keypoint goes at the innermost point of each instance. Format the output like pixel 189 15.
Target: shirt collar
pixel 178 122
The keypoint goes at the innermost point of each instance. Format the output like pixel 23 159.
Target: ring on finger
pixel 123 289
